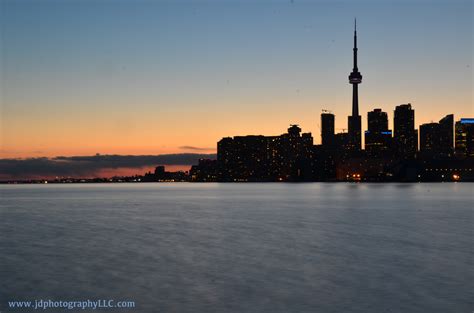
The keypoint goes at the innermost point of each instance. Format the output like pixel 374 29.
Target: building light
pixel 456 177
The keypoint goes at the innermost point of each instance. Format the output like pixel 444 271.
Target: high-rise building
pixel 266 158
pixel 405 135
pixel 464 147
pixel 436 139
pixel 377 121
pixel 354 120
pixel 242 158
pixel 446 136
pixel 327 130
pixel 289 154
pixel 378 138
pixel 429 139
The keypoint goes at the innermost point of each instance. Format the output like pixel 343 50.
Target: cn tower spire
pixel 355 45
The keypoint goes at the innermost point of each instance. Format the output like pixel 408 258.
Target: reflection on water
pixel 241 247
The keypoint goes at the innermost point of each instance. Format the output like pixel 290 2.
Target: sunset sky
pixel 130 77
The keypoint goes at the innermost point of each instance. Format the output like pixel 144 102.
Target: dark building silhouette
pixel 464 147
pixel 205 171
pixel 378 138
pixel 405 135
pixel 266 158
pixel 327 130
pixel 323 156
pixel 323 164
pixel 291 154
pixel 342 145
pixel 243 158
pixel 354 121
pixel 160 171
pixel 429 139
pixel 436 139
pixel 446 140
pixel 161 175
pixel 377 121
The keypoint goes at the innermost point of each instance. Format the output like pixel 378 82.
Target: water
pixel 241 247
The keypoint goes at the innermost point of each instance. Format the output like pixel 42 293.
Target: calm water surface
pixel 241 247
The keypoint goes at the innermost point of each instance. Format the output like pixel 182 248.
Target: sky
pixel 81 77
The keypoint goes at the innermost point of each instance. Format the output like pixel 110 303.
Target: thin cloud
pixel 195 148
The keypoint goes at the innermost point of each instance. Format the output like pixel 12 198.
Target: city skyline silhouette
pixel 406 154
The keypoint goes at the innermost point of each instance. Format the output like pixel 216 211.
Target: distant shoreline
pixel 47 182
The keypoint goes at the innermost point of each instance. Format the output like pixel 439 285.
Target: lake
pixel 268 247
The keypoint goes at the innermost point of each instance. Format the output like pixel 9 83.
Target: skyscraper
pixel 465 138
pixel 354 121
pixel 378 137
pixel 405 135
pixel 327 130
pixel 436 139
pixel 446 136
pixel 377 121
pixel 429 139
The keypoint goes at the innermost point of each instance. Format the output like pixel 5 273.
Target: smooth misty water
pixel 241 247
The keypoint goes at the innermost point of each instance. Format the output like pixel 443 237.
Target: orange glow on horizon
pixel 37 134
pixel 138 171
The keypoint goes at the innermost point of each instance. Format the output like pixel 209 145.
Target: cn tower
pixel 354 121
